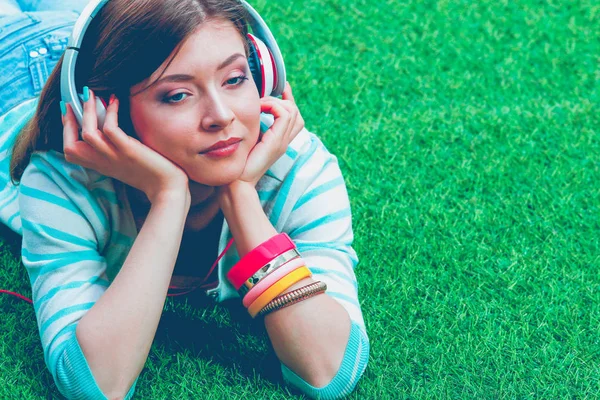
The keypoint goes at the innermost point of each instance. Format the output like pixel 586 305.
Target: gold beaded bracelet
pixel 293 297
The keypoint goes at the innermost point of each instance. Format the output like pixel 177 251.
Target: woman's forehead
pixel 206 48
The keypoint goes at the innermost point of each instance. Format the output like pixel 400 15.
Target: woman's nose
pixel 217 114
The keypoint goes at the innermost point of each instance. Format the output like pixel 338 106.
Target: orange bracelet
pixel 277 288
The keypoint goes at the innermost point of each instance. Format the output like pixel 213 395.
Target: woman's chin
pixel 219 178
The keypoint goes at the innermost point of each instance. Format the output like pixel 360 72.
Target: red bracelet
pixel 258 257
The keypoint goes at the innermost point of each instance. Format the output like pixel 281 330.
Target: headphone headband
pixel 67 74
pixel 262 31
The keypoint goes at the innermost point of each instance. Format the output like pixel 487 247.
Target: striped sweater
pixel 77 229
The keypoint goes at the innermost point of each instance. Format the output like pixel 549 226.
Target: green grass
pixel 468 135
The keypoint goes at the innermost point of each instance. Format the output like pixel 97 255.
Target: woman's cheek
pixel 139 120
pixel 157 130
pixel 253 122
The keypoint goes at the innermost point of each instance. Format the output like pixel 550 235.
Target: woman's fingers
pixel 288 113
pixel 111 125
pixel 95 138
pixel 85 155
pixel 278 109
pixel 282 117
pixel 90 119
pixel 290 104
pixel 287 93
pixel 70 129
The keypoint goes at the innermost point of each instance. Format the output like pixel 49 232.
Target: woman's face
pixel 204 112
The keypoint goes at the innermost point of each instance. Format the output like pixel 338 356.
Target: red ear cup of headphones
pixel 262 66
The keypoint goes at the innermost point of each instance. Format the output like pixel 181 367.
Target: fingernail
pixel 112 99
pixel 86 93
pixel 63 108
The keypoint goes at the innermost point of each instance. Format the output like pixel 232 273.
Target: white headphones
pixel 265 60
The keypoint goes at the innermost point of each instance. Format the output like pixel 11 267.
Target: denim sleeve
pixel 30 46
pixel 52 5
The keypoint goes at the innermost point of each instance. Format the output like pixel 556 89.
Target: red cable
pixel 204 284
pixel 17 295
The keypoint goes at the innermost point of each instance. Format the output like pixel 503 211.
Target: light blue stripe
pixel 13 195
pixel 291 153
pixel 65 331
pixel 344 297
pixel 338 246
pixel 50 198
pixel 359 365
pixel 57 234
pixel 33 257
pixel 325 187
pixel 58 264
pixel 5 162
pixel 270 174
pixel 317 270
pixel 8 144
pixel 265 194
pixel 10 220
pixel 52 266
pixel 57 352
pixel 63 313
pixel 71 285
pixel 61 174
pixel 321 221
pixel 69 329
pixel 284 191
pixel 4 176
pixel 263 127
pixel 323 245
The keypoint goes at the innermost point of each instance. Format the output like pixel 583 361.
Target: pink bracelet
pixel 270 279
pixel 257 257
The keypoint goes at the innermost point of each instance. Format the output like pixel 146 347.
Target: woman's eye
pixel 236 80
pixel 176 98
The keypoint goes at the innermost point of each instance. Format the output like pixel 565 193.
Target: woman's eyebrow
pixel 185 77
pixel 175 78
pixel 229 60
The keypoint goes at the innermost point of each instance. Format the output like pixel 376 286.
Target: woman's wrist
pixel 234 193
pixel 175 197
pixel 245 217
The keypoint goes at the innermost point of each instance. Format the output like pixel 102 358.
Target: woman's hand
pixel 113 153
pixel 274 142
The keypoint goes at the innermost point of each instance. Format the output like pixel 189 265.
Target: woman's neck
pixel 204 206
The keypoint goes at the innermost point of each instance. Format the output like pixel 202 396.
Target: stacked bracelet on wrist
pixel 267 271
pixel 294 297
pixel 259 257
pixel 270 279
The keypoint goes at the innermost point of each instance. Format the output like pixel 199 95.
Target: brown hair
pixel 124 44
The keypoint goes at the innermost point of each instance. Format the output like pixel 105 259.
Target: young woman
pixel 114 218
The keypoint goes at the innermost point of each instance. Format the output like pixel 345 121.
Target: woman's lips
pixel 223 148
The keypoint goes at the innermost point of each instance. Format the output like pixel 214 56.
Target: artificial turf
pixel 467 132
